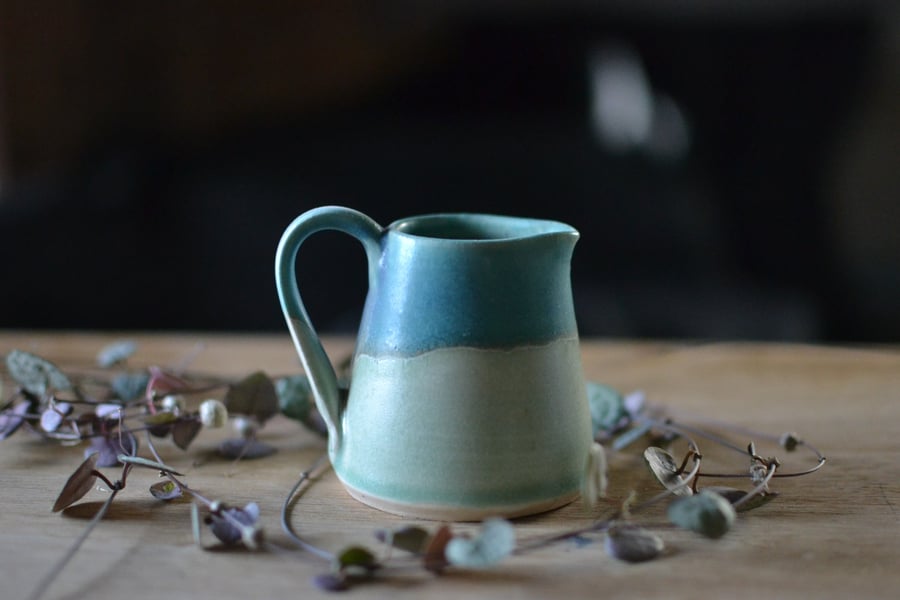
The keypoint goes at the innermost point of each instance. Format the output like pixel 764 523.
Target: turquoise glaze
pixel 467 397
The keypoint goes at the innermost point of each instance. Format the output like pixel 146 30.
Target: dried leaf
pixel 78 484
pixel 760 499
pixel 145 462
pixel 13 418
pixel 163 382
pixel 245 449
pixel 607 409
pixel 410 538
pixel 108 447
pixel 355 560
pixel 632 543
pixel 331 582
pixel 495 541
pixel 166 490
pixel 129 386
pixel 53 416
pixel 160 418
pixel 35 374
pixel 294 396
pixel 434 558
pixel 185 430
pixel 235 525
pixel 115 353
pixel 663 466
pixel 734 495
pixel 706 513
pixel 254 395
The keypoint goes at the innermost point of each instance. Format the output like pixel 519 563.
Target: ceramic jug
pixel 467 397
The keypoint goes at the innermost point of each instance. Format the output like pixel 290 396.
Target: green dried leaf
pixel 410 538
pixel 662 465
pixel 35 374
pixel 495 541
pixel 166 490
pixel 254 396
pixel 706 513
pixel 160 418
pixel 78 484
pixel 734 495
pixel 633 544
pixel 607 408
pixel 294 397
pixel 129 386
pixel 356 559
pixel 145 462
pixel 115 353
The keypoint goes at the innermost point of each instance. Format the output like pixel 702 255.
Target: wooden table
pixel 833 534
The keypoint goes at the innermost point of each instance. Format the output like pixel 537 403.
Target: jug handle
pixel 316 364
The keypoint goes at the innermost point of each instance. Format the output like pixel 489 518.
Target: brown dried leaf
pixel 433 558
pixel 79 484
pixel 734 495
pixel 254 395
pixel 409 538
pixel 184 431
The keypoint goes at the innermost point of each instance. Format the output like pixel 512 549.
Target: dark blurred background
pixel 732 166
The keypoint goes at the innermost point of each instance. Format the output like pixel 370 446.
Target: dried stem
pixel 54 572
pixel 290 500
pixel 762 487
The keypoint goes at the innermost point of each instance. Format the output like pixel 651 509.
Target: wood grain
pixel 835 534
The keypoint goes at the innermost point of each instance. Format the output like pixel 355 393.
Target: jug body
pixel 467 397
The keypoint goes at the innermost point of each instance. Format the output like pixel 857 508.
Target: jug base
pixel 437 512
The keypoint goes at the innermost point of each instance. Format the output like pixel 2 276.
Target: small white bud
pixel 213 413
pixel 173 403
pixel 245 427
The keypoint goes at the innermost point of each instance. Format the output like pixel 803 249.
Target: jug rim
pixel 476 227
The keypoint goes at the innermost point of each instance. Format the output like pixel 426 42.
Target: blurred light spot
pixel 626 114
pixel 669 136
pixel 622 109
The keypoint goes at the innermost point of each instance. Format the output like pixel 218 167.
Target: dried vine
pixel 110 407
